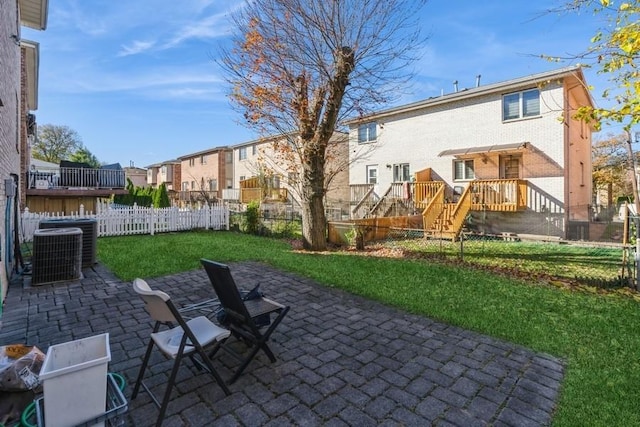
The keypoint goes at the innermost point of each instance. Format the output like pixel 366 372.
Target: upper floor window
pixel 192 162
pixel 254 149
pixel 203 160
pixel 163 170
pixel 521 104
pixel 242 153
pixel 367 133
pixel 401 172
pixel 463 170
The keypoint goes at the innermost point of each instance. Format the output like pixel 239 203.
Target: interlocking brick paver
pixel 342 360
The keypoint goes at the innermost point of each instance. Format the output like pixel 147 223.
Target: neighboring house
pixel 167 173
pixel 18 97
pixel 204 175
pixel 258 163
pixel 510 152
pixel 137 176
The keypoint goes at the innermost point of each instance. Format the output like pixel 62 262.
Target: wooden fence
pixel 128 220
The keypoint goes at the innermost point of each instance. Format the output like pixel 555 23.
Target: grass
pixel 596 334
pixel 562 261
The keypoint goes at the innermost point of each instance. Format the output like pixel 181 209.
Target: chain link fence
pixel 600 264
pixel 608 262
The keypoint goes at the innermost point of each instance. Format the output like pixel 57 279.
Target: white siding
pixel 419 136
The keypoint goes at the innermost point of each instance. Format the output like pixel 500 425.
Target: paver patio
pixel 342 360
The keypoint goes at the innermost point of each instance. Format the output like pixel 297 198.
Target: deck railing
pixel 460 212
pixel 506 195
pixel 64 177
pixel 366 203
pixel 359 192
pixel 250 194
pixel 398 192
pixel 423 192
pixel 433 209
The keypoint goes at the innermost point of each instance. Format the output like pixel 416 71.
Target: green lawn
pixel 596 334
pixel 567 261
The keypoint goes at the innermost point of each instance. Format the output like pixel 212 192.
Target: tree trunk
pixel 314 221
pixel 314 225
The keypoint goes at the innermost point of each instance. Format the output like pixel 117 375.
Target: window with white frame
pixel 401 172
pixel 372 174
pixel 185 186
pixel 213 185
pixel 521 104
pixel 367 133
pixel 242 153
pixel 193 185
pixel 463 170
pixel 254 149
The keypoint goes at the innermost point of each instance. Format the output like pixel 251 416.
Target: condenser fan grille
pixel 57 255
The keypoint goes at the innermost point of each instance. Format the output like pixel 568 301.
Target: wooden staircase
pixel 445 220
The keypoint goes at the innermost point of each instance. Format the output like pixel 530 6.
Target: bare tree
pixel 299 67
pixel 55 143
pixel 611 168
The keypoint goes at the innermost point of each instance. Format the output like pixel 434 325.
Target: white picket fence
pixel 128 220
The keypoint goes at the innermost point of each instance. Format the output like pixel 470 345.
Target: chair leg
pixel 213 372
pixel 245 363
pixel 167 392
pixel 145 362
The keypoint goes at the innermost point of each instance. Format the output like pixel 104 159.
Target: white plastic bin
pixel 74 381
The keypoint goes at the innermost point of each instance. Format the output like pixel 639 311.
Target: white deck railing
pixel 128 220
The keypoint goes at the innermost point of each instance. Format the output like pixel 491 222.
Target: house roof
pixel 33 13
pixel 166 162
pixel 484 149
pixel 274 137
pixel 500 87
pixel 41 163
pixel 32 56
pixel 200 153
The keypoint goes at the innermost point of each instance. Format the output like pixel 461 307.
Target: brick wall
pixel 9 115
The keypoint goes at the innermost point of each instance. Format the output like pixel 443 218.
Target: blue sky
pixel 138 82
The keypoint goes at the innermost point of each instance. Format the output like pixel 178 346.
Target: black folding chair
pixel 241 315
pixel 183 338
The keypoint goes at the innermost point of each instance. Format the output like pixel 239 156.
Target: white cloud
pixel 210 27
pixel 135 48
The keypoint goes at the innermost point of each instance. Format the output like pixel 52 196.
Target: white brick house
pixel 258 157
pixel 518 132
pixel 18 96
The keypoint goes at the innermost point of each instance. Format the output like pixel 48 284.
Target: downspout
pixel 19 261
pixel 567 194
